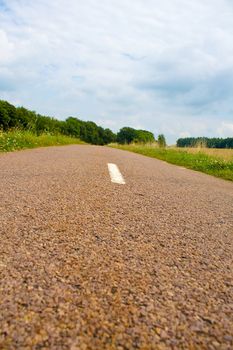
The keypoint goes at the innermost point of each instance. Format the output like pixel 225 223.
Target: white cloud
pixel 225 130
pixel 6 48
pixel 166 66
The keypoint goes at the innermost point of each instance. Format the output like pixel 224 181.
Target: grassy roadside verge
pixel 200 161
pixel 17 139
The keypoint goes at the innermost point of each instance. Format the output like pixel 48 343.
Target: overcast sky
pixel 166 66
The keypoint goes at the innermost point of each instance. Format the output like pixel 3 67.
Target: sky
pixel 164 66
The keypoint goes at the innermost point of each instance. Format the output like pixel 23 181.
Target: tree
pixel 206 142
pixel 162 140
pixel 8 115
pixel 26 119
pixel 4 117
pixel 144 136
pixel 126 135
pixel 21 118
pixel 109 136
pixel 72 127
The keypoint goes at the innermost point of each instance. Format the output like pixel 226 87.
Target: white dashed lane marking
pixel 115 174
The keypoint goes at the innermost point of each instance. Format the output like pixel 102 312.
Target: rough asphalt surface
pixel 88 264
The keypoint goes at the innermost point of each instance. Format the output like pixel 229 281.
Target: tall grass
pixel 221 153
pixel 199 160
pixel 18 139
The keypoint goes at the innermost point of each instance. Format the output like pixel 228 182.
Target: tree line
pixel 12 117
pixel 129 135
pixel 205 142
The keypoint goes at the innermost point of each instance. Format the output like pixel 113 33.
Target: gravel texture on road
pixel 88 264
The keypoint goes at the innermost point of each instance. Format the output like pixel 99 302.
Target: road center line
pixel 115 174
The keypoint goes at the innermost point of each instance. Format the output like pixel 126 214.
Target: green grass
pixel 211 165
pixel 18 139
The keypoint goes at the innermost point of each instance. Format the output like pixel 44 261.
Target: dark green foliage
pixel 46 124
pixel 26 118
pixel 109 136
pixel 4 117
pixel 87 131
pixel 161 141
pixel 93 133
pixel 22 119
pixel 143 136
pixel 72 126
pixel 8 115
pixel 205 141
pixel 128 135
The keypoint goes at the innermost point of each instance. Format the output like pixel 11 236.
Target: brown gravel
pixel 87 264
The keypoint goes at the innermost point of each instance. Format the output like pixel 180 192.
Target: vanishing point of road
pixel 87 262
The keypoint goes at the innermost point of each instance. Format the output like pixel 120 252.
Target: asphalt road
pixel 86 263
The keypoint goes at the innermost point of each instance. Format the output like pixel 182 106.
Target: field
pixel 226 154
pixel 17 139
pixel 216 162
